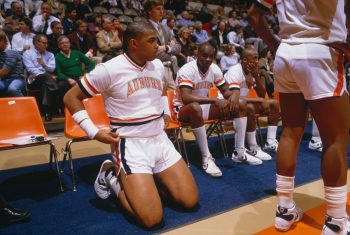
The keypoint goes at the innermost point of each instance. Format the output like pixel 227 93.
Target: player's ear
pixel 133 43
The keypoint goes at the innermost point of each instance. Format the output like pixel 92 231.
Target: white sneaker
pixel 102 188
pixel 333 226
pixel 245 157
pixel 316 144
pixel 271 145
pixel 286 217
pixel 211 168
pixel 258 153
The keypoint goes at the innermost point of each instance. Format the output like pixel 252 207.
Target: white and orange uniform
pixel 132 96
pixel 190 76
pixel 236 79
pixel 304 60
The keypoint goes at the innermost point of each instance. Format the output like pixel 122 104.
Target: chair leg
pixel 223 140
pixel 54 155
pixel 72 168
pixel 65 154
pixel 184 146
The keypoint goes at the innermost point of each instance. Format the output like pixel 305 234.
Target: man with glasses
pixel 40 65
pixel 57 31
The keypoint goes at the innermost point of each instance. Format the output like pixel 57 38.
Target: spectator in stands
pixel 57 31
pixel 136 5
pixel 220 35
pixel 265 71
pixel 82 40
pixel 236 39
pixel 11 24
pixel 230 58
pixel 42 22
pixel 171 26
pixel 81 9
pixel 185 20
pixel 40 65
pixel 107 40
pixel 11 70
pixel 233 21
pixel 168 46
pixel 184 41
pixel 243 21
pixel 96 25
pixel 23 40
pixel 9 214
pixel 200 34
pixel 68 23
pixel 70 65
pixel 118 27
pixel 58 8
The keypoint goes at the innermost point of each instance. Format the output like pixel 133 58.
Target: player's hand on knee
pixel 107 136
pixel 166 121
pixel 223 106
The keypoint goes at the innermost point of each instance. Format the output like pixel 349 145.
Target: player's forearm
pixel 73 100
pixel 257 20
pixel 190 98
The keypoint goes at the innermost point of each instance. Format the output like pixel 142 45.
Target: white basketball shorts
pixel 148 155
pixel 315 70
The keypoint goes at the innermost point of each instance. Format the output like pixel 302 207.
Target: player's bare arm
pixel 73 101
pixel 257 19
pixel 232 98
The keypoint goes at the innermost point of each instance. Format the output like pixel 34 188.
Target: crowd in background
pixel 59 40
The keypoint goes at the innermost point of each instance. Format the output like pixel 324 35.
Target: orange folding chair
pixel 20 123
pixel 97 112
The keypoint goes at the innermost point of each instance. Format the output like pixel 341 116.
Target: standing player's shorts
pixel 205 111
pixel 148 155
pixel 315 70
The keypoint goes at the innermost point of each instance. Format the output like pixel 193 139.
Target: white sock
pixel 201 137
pixel 336 201
pixel 241 127
pixel 315 132
pixel 285 189
pixel 251 139
pixel 271 134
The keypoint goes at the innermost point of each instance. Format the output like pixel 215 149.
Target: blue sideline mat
pixel 35 188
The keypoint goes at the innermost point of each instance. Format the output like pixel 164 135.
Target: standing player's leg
pixel 332 116
pixel 294 115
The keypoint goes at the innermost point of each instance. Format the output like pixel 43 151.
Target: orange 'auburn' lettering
pixel 143 83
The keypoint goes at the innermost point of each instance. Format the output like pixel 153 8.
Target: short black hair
pixel 134 31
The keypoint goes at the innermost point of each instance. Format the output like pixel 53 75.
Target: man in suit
pixel 168 47
pixel 107 40
pixel 220 36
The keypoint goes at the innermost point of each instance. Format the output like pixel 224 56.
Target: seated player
pixel 193 83
pixel 132 87
pixel 242 77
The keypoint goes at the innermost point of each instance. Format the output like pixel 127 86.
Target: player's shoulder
pixel 234 70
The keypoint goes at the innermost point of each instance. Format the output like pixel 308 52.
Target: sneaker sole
pixel 286 228
pixel 96 184
pixel 246 162
pixel 315 148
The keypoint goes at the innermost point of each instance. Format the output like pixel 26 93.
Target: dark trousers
pixel 48 87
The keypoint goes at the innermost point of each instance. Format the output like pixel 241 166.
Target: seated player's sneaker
pixel 286 217
pixel 245 157
pixel 211 168
pixel 101 186
pixel 271 145
pixel 258 153
pixel 316 144
pixel 334 226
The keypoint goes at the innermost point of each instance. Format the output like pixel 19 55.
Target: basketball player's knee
pixel 187 201
pixel 243 107
pixel 274 106
pixel 250 110
pixel 151 218
pixel 196 110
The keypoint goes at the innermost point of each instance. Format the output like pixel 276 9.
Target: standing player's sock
pixel 336 201
pixel 285 189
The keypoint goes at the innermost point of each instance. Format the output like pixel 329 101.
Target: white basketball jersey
pixel 236 79
pixel 190 76
pixel 310 21
pixel 132 94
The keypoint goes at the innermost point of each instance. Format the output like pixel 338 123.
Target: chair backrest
pixel 97 112
pixel 170 95
pixel 20 117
